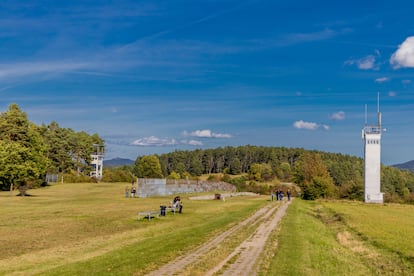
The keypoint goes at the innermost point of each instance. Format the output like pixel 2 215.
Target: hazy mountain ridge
pixel 116 162
pixel 409 165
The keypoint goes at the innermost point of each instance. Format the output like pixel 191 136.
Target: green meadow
pixel 343 238
pixel 85 229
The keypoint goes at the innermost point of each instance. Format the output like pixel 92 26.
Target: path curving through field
pixel 246 254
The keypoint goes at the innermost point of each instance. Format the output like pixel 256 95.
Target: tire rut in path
pixel 174 267
pixel 248 252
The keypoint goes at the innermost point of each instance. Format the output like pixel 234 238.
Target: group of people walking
pixel 131 190
pixel 279 194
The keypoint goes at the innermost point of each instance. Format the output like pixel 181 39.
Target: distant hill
pixel 116 162
pixel 406 166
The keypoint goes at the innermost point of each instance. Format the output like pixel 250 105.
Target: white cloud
pixel 325 127
pixel 366 63
pixel 8 71
pixel 191 142
pixel 153 141
pixel 406 81
pixel 206 133
pixel 383 79
pixel 392 93
pixel 305 125
pixel 404 56
pixel 221 135
pixel 340 115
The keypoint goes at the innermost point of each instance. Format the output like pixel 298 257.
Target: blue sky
pixel 156 76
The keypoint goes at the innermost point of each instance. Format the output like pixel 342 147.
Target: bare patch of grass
pixel 347 240
pixel 387 226
pixel 375 232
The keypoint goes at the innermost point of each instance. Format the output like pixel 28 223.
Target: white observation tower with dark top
pixel 372 158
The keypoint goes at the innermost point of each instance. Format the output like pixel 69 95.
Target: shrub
pixel 239 183
pixel 213 177
pixel 226 178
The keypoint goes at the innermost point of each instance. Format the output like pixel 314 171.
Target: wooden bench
pixel 148 214
pixel 171 208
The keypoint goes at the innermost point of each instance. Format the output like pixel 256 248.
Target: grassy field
pixel 85 229
pixel 344 238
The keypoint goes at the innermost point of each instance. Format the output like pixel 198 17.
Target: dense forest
pixel 318 174
pixel 28 152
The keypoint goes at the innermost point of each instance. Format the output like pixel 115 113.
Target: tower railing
pixel 372 129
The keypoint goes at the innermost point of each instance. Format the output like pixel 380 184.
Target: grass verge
pixel 316 238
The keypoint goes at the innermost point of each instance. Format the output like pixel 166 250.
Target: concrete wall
pixel 162 187
pixel 151 187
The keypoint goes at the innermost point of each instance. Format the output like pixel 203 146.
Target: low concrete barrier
pixel 162 187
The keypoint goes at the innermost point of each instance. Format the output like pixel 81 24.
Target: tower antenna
pixel 378 102
pixel 378 110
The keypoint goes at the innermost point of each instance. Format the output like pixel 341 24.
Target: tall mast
pixel 366 115
pixel 378 110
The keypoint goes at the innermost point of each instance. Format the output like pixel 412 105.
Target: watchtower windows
pixel 373 142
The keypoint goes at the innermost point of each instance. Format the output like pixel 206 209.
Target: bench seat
pixel 148 214
pixel 171 208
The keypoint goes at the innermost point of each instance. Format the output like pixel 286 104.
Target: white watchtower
pixel 97 162
pixel 372 157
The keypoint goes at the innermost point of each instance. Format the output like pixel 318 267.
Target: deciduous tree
pixel 22 150
pixel 149 167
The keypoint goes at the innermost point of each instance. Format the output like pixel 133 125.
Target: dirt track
pixel 244 257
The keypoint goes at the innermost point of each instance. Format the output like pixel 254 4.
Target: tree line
pixel 28 151
pixel 318 174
